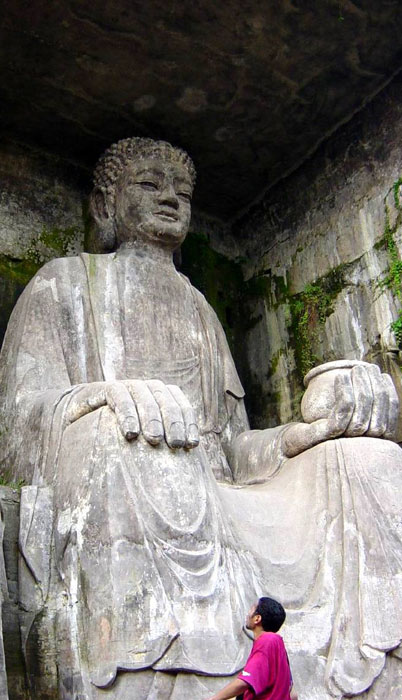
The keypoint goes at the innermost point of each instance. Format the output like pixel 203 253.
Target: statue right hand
pixel 365 403
pixel 157 410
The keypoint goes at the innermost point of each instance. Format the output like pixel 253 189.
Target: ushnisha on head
pixel 142 189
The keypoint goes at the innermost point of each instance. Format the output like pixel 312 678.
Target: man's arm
pixel 233 688
pixel 293 694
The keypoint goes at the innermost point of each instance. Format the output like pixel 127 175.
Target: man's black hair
pixel 272 614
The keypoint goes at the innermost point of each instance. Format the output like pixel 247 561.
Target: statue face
pixel 153 202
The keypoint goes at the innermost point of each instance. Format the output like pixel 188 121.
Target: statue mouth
pixel 167 215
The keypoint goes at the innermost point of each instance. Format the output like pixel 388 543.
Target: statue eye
pixel 148 185
pixel 185 195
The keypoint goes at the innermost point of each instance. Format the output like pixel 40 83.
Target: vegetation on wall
pixel 52 243
pixel 16 270
pixel 15 273
pixel 308 312
pixel 6 480
pixel 393 279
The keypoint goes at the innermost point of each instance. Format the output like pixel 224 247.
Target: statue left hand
pixel 366 404
pixel 156 410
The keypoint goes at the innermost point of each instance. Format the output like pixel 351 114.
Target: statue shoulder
pixel 59 266
pixel 59 274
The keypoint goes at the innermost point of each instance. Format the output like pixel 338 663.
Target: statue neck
pixel 148 251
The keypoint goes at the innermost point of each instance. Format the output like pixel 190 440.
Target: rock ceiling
pixel 249 87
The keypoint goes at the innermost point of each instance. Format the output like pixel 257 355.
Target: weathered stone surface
pixel 34 570
pixel 3 598
pixel 249 89
pixel 120 396
pixel 41 217
pixel 41 205
pixel 9 505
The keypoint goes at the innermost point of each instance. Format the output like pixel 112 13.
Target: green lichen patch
pixel 51 243
pixel 16 270
pixel 308 312
pixel 393 278
pixel 239 305
pixel 274 362
pixel 14 275
pixel 397 186
pixel 7 480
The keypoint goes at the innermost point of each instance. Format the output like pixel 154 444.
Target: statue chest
pixel 159 323
pixel 160 327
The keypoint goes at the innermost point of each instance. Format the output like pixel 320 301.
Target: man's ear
pixel 103 238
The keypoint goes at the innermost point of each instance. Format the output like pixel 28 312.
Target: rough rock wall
pixel 323 251
pixel 41 217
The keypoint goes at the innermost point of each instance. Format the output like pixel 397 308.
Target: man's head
pixel 266 613
pixel 142 190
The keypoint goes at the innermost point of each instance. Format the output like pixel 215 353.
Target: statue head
pixel 142 190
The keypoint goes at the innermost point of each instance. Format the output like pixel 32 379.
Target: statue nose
pixel 169 196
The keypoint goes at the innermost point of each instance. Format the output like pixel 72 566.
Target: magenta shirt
pixel 267 669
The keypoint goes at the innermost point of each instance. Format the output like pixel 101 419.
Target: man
pixel 266 674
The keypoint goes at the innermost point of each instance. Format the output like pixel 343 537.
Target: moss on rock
pixel 308 312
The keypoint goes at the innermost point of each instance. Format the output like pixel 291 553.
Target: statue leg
pixel 142 559
pixel 329 545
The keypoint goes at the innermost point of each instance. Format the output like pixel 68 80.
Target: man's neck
pixel 257 632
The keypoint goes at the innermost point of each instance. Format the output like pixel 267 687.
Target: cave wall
pixel 323 250
pixel 41 217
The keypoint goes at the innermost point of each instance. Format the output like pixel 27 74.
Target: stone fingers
pixel 121 403
pixel 151 407
pixel 171 412
pixel 190 424
pixel 363 390
pixel 87 399
pixel 148 411
pixel 393 408
pixel 385 409
pixel 380 410
pixel 376 405
pixel 341 414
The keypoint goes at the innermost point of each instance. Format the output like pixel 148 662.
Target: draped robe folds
pixel 158 552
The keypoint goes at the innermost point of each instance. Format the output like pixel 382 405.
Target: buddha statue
pixel 166 515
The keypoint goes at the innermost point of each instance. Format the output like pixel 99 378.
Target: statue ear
pixel 101 238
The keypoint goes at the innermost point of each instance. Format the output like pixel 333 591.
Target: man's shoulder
pixel 269 640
